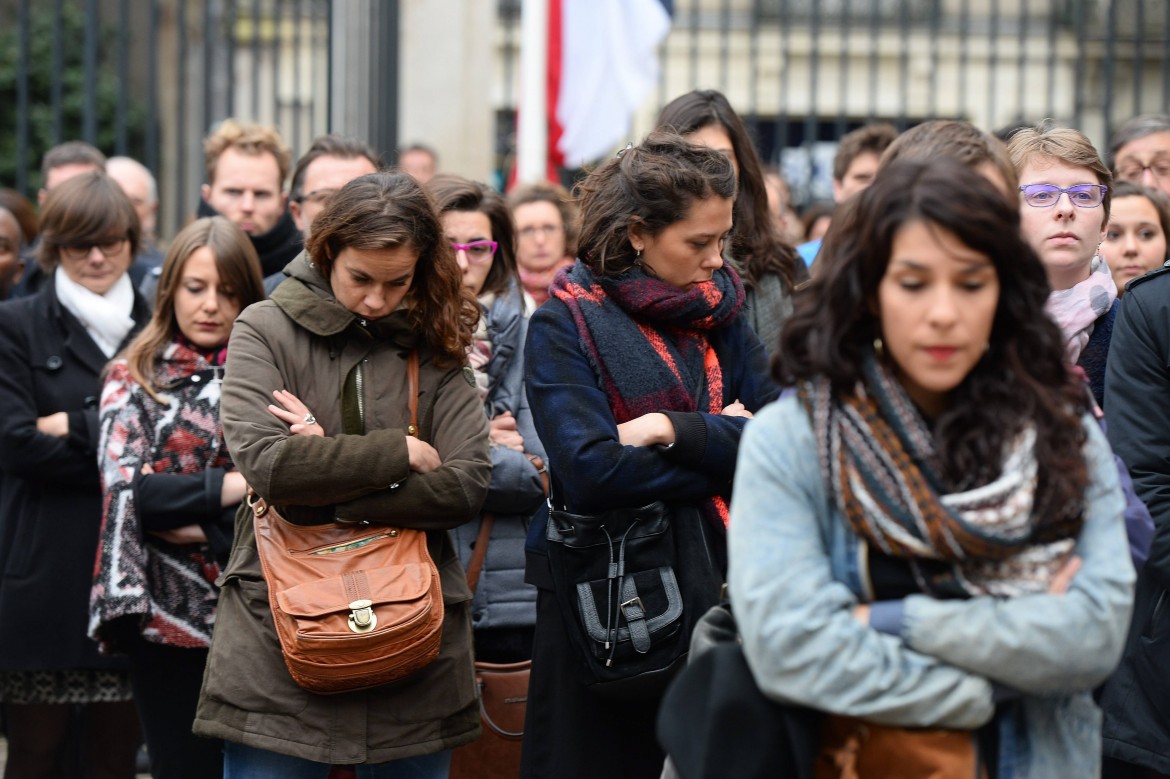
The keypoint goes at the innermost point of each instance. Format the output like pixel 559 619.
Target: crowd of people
pixel 921 433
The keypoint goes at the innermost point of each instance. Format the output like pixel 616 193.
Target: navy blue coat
pixel 592 471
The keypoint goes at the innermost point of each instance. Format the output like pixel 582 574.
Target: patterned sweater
pixel 166 592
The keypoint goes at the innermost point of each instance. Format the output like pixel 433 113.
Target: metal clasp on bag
pixel 362 618
pixel 633 609
pixel 258 505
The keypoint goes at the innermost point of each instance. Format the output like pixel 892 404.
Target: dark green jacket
pixel 304 341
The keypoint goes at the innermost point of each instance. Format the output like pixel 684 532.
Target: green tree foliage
pixel 42 74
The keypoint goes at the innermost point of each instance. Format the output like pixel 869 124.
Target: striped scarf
pixel 647 341
pixel 878 455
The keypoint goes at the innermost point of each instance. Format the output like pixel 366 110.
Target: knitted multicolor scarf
pixel 647 341
pixel 878 455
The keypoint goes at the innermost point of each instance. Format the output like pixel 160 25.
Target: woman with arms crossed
pixel 170 491
pixel 641 373
pixel 905 559
pixel 326 354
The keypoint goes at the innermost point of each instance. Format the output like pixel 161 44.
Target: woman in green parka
pixel 377 280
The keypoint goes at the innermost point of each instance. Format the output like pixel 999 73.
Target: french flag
pixel 602 63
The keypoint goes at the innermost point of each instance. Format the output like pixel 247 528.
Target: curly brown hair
pixel 1022 379
pixel 389 210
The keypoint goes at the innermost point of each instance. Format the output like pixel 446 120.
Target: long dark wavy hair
pixel 1021 380
pixel 756 242
pixel 652 185
pixel 389 210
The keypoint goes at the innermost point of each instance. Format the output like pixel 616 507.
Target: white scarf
pixel 105 317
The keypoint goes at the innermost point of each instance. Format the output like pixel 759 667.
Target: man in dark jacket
pixel 331 162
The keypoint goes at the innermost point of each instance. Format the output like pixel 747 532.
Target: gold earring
pixel 879 348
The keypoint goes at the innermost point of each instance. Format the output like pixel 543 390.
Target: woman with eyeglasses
pixel 53 348
pixel 546 235
pixel 1064 208
pixel 478 224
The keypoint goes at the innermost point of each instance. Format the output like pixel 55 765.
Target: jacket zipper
pixel 361 402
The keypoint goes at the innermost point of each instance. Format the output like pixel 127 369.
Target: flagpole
pixel 532 134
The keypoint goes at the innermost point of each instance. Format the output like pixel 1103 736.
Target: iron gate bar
pixel 1110 61
pixel 152 160
pixel 904 65
pixel 873 59
pixel 58 67
pixel 1053 19
pixel 810 120
pixel 255 58
pixel 181 109
pixel 22 98
pixel 1079 100
pixel 1021 63
pixel 843 66
pixel 121 143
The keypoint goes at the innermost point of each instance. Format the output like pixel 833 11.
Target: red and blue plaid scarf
pixel 647 340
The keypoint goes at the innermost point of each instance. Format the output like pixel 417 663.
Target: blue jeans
pixel 242 762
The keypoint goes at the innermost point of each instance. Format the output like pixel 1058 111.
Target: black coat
pixel 50 495
pixel 1136 699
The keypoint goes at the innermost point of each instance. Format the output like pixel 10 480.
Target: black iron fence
pixel 805 72
pixel 149 78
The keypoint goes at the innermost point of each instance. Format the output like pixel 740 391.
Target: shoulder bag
pixel 630 585
pixel 356 605
pixel 715 722
pixel 503 696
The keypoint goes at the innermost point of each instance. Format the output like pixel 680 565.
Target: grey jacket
pixel 502 598
pixel 796 574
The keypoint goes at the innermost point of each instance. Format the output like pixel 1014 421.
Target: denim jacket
pixel 797 571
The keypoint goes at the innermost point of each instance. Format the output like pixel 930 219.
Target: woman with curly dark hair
pixel 316 414
pixel 938 544
pixel 770 267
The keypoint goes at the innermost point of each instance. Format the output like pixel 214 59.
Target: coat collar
pixel 308 300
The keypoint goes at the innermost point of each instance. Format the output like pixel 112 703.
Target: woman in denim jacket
pixel 938 542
